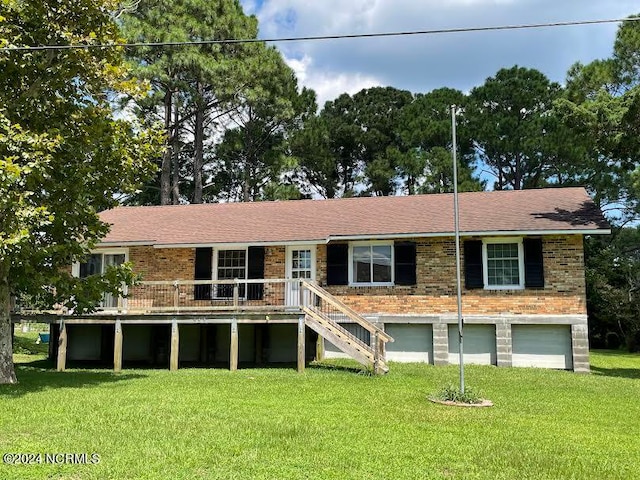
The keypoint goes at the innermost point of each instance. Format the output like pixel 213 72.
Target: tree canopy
pixel 226 108
pixel 63 155
pixel 383 141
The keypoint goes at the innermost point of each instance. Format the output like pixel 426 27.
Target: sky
pixel 423 63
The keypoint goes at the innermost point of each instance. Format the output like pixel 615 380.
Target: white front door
pixel 301 263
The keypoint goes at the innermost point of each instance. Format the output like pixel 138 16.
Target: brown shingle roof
pixel 543 210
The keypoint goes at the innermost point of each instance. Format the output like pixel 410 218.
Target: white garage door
pixel 479 344
pixel 412 343
pixel 545 346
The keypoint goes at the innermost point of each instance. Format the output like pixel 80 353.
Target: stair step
pixel 328 327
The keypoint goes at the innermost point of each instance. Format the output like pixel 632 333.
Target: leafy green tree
pixel 317 173
pixel 517 135
pixel 63 157
pixel 350 148
pixel 602 105
pixel 425 165
pixel 613 289
pixel 254 152
pixel 192 86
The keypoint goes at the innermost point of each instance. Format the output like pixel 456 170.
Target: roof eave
pixel 371 236
pixel 478 233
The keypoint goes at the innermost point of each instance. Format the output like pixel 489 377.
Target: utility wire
pixel 319 37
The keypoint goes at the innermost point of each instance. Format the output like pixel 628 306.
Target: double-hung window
pixel 504 264
pixel 231 264
pixel 371 264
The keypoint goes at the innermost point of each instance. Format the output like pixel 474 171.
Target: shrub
pixel 452 393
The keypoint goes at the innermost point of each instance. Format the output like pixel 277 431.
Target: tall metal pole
pixel 456 216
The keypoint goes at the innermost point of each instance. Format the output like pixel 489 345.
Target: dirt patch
pixel 483 403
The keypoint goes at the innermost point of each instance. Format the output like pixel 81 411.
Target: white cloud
pixel 250 6
pixel 422 63
pixel 329 85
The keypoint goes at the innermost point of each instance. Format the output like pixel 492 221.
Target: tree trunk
pixel 245 184
pixel 517 181
pixel 165 174
pixel 175 188
pixel 198 158
pixel 7 372
pixel 248 161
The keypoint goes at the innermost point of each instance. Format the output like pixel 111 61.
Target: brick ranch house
pixel 370 278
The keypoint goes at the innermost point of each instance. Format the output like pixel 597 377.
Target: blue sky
pixel 422 63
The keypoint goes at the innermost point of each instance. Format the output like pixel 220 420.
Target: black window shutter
pixel 338 264
pixel 533 263
pixel 203 266
pixel 405 263
pixel 255 270
pixel 473 276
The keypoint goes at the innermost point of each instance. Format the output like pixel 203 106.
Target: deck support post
pixel 117 347
pixel 233 350
pixel 175 346
pixel 320 348
pixel 62 347
pixel 236 293
pixel 376 353
pixel 301 341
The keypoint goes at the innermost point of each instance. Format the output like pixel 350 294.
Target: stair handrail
pixel 374 352
pixel 353 315
pixel 319 314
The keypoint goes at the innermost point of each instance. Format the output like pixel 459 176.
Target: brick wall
pixel 274 267
pixel 274 262
pixel 435 293
pixel 156 264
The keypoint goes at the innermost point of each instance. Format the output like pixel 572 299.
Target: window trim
pixel 214 268
pixel 485 262
pixel 75 267
pixel 385 243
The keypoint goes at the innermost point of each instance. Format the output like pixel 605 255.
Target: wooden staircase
pixel 327 316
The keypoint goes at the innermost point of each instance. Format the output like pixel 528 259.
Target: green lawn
pixel 325 423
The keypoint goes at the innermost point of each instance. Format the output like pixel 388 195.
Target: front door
pixel 301 264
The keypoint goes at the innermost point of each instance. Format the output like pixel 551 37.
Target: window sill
pixel 505 287
pixel 371 285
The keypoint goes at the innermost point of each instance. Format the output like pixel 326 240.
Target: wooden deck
pixel 235 302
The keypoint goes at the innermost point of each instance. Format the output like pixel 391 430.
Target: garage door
pixel 545 346
pixel 479 344
pixel 412 343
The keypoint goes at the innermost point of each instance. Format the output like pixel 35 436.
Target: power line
pixel 319 37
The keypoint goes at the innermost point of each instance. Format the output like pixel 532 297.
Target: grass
pixel 326 423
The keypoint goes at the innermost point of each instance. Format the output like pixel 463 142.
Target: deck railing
pixel 210 295
pixel 195 295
